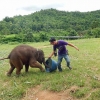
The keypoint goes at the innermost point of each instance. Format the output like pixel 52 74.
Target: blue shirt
pixel 61 46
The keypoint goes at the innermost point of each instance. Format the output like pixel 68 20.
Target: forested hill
pixel 53 22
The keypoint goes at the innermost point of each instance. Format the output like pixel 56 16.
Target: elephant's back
pixel 22 51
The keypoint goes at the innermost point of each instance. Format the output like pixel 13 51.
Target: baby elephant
pixel 25 55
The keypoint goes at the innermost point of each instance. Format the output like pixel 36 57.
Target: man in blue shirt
pixel 62 51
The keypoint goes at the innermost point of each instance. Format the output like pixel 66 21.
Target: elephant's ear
pixel 40 53
pixel 40 56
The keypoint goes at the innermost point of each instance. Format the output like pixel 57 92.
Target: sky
pixel 11 8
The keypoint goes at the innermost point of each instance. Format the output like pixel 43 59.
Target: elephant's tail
pixel 4 58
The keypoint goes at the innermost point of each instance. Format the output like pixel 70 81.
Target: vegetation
pixel 39 26
pixel 85 73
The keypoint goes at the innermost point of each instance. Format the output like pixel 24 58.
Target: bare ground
pixel 38 94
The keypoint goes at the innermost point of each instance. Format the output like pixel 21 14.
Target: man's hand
pixel 77 48
pixel 73 46
pixel 55 54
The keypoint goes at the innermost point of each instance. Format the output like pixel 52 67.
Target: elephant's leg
pixel 26 67
pixel 19 65
pixel 36 64
pixel 18 71
pixel 11 69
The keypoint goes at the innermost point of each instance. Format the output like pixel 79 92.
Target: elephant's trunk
pixel 45 64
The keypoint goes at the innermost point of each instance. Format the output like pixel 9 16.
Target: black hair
pixel 52 39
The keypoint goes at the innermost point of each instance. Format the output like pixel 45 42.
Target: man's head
pixel 52 41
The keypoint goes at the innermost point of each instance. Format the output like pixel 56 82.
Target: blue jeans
pixel 60 57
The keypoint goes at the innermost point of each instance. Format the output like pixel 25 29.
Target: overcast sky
pixel 10 8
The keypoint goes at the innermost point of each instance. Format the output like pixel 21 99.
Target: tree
pixel 28 37
pixel 96 32
pixel 43 36
pixel 72 33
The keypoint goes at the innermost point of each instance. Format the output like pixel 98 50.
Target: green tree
pixel 96 32
pixel 72 33
pixel 28 37
pixel 43 36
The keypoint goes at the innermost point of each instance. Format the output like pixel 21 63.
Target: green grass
pixel 85 73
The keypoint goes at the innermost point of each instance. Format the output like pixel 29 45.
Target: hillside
pixel 52 21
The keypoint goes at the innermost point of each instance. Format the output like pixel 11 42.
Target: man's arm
pixel 73 46
pixel 51 54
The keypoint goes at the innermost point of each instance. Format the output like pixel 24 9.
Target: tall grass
pixel 85 73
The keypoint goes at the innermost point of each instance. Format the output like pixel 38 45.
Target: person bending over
pixel 62 51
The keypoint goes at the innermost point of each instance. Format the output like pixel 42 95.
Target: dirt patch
pixel 38 94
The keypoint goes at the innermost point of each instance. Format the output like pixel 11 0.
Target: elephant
pixel 25 55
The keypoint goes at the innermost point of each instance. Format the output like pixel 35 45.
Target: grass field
pixel 85 74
